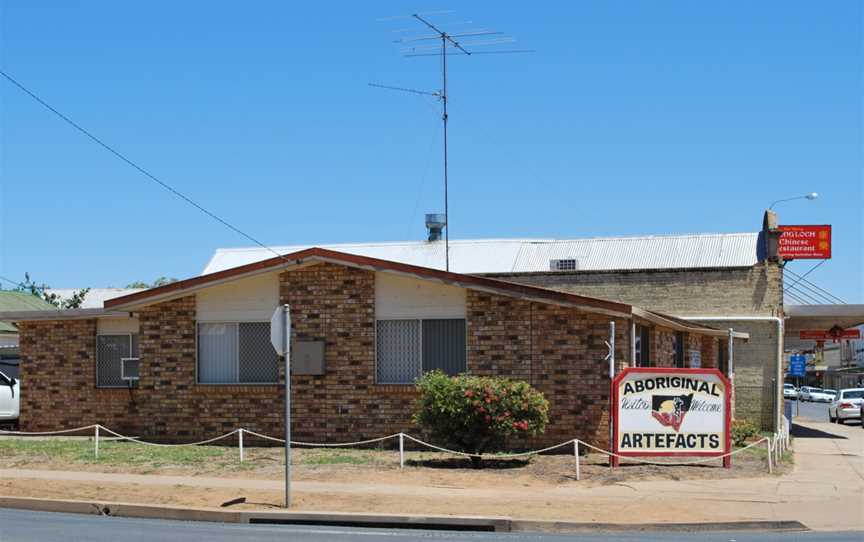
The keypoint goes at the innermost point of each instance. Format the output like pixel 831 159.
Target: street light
pixel 811 196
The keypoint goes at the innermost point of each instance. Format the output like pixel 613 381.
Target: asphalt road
pixel 814 411
pixel 27 526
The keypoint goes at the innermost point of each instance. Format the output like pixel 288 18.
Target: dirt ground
pixel 424 473
pixel 380 466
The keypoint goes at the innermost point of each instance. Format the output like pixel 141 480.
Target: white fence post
pixel 576 453
pixel 770 458
pixel 401 450
pixel 97 442
pixel 240 433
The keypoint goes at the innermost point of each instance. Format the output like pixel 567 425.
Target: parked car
pixel 847 405
pixel 818 395
pixel 10 400
pixel 789 391
pixel 804 393
pixel 830 393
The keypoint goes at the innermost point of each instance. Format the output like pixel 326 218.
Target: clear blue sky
pixel 632 118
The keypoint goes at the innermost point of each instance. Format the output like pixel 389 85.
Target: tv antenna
pixel 449 43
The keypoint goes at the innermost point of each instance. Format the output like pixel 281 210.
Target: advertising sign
pixel 671 412
pixel 805 242
pixel 828 334
pixel 797 365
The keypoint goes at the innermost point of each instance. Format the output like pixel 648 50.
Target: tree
pixel 161 281
pixel 41 291
pixel 478 414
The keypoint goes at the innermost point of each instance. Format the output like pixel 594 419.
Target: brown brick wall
pixel 337 304
pixel 662 347
pixel 558 350
pixel 58 379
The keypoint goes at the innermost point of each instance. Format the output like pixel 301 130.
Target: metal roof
pixel 20 301
pixel 95 297
pixel 479 256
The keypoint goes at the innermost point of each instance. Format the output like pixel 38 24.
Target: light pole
pixel 811 196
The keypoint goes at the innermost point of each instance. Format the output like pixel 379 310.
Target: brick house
pixel 206 366
pixel 722 280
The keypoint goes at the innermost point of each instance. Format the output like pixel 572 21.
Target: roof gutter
pixel 60 314
pixel 665 322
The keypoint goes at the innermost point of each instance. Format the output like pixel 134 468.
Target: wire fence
pixel 776 444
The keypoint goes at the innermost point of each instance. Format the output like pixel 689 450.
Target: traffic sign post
pixel 280 338
pixel 797 368
pixel 797 365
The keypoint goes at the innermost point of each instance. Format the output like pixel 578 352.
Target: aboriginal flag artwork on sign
pixel 669 410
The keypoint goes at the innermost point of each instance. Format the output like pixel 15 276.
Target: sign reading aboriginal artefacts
pixel 660 411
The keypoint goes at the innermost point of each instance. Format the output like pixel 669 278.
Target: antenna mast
pixel 454 42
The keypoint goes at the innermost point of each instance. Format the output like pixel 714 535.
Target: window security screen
pixel 408 348
pixel 236 353
pixel 110 349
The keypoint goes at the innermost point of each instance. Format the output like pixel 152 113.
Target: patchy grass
pixel 336 457
pixel 111 453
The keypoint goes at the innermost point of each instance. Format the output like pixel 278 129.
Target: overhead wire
pixel 814 286
pixel 133 164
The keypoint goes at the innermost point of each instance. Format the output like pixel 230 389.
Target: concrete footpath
pixel 825 491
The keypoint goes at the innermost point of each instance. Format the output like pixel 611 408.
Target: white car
pixel 830 393
pixel 10 400
pixel 818 395
pixel 846 406
pixel 804 393
pixel 789 391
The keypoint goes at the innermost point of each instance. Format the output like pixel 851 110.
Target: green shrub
pixel 477 414
pixel 742 430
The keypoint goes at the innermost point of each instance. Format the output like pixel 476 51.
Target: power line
pixel 796 298
pixel 801 293
pixel 815 286
pixel 138 168
pixel 801 286
pixel 807 273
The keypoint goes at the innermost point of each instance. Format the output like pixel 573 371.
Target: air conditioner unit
pixel 570 264
pixel 129 369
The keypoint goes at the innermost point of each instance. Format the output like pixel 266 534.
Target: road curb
pixel 353 519
pixel 518 525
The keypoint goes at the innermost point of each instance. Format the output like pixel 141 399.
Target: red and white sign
pixel 805 242
pixel 828 334
pixel 671 412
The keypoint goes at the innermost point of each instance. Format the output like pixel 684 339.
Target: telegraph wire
pixel 134 165
pixel 815 286
pixel 807 273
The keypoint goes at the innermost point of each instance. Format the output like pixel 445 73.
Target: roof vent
pixel 435 223
pixel 564 265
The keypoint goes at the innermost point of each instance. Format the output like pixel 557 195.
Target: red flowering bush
pixel 477 414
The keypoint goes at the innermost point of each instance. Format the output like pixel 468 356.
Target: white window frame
pixel 420 320
pixel 237 354
pixel 96 365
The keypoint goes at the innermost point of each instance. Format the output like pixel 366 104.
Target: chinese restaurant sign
pixel 670 412
pixel 805 242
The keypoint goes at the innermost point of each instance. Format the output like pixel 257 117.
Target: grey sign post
pixel 280 337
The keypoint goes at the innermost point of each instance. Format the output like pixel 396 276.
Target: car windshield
pixel 853 394
pixel 830 392
pixel 789 386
